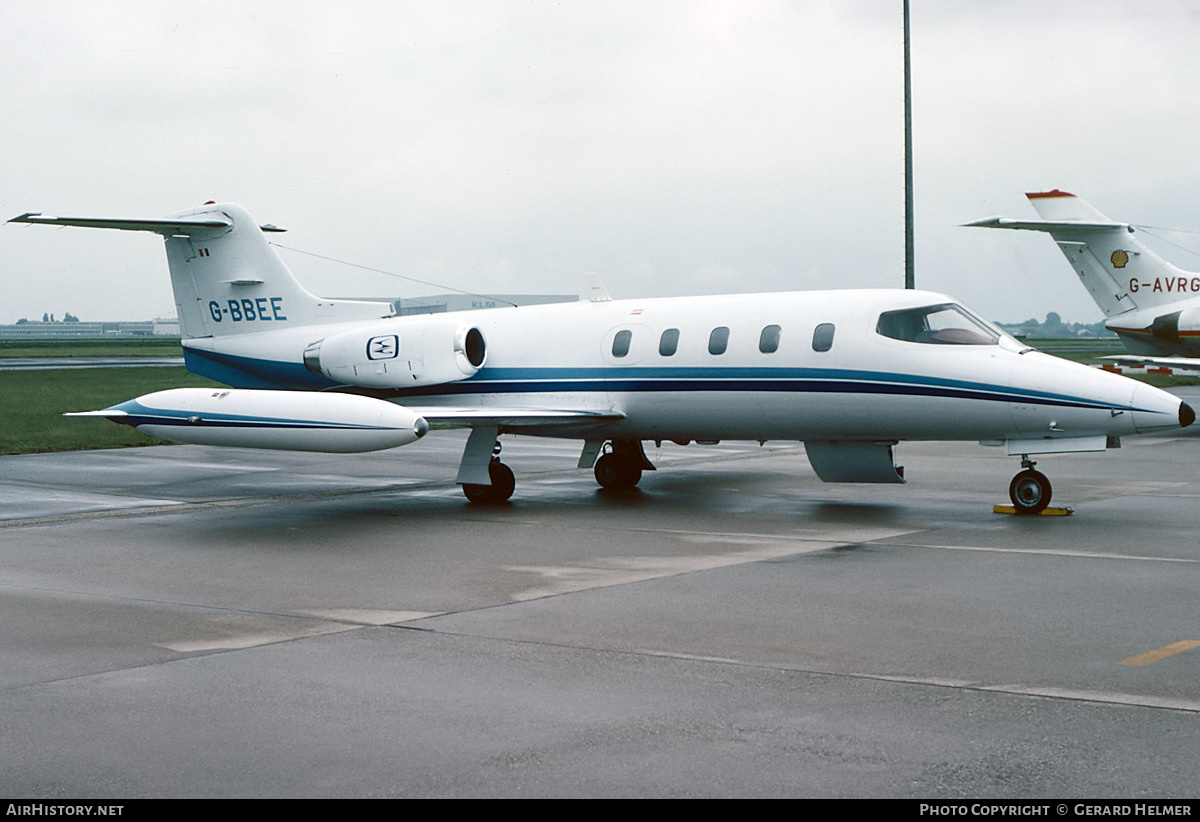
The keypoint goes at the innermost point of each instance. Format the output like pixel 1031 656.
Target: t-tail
pixel 1120 273
pixel 226 277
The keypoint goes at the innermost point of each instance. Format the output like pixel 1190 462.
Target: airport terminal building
pixel 37 330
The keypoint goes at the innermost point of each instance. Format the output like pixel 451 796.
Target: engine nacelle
pixel 402 353
pixel 1189 321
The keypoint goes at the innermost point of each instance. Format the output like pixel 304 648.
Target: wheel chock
pixel 1045 512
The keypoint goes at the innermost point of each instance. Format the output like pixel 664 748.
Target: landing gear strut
pixel 1029 490
pixel 503 482
pixel 620 469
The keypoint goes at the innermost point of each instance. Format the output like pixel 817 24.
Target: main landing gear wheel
pixel 502 487
pixel 1030 492
pixel 617 472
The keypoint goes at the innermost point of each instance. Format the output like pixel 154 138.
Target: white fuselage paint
pixel 865 387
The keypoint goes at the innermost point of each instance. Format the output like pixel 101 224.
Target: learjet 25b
pixel 849 373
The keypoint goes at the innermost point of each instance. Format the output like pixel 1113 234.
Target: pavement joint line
pixel 1106 698
pixel 304 615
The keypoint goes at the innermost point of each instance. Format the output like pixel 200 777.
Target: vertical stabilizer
pixel 231 281
pixel 226 277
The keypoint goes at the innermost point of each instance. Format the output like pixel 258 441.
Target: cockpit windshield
pixel 946 324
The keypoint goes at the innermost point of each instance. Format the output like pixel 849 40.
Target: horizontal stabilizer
pixel 168 228
pixel 164 227
pixel 1046 225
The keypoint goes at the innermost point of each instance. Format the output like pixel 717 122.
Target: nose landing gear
pixel 1029 490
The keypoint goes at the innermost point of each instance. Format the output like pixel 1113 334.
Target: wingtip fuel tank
pixel 283 420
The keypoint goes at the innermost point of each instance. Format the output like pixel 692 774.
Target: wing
pixel 487 423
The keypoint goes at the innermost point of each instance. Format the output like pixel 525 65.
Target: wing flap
pixel 509 417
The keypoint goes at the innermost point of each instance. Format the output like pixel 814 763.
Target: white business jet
pixel 849 373
pixel 1153 306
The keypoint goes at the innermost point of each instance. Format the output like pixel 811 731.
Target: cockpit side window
pixel 947 324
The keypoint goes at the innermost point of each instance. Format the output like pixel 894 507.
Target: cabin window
pixel 620 346
pixel 718 340
pixel 946 324
pixel 768 340
pixel 823 337
pixel 668 343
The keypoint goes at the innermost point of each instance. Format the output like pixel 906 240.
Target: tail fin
pixel 226 277
pixel 1119 271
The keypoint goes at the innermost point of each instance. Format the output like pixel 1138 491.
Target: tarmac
pixel 183 621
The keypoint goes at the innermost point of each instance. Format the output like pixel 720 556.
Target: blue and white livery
pixel 849 373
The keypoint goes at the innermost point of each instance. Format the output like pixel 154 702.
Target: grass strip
pixel 33 402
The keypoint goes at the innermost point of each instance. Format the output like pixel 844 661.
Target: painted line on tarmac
pixel 1053 552
pixel 1161 653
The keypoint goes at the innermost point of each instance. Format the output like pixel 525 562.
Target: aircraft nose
pixel 1155 409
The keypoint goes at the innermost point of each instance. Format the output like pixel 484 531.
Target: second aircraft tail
pixel 1117 269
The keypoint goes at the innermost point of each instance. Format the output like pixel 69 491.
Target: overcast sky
pixel 671 147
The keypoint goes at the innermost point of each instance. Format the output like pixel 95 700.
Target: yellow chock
pixel 1046 512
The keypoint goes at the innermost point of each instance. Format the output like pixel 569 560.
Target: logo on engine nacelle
pixel 386 347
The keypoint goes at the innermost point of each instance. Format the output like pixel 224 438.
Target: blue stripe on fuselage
pixel 246 372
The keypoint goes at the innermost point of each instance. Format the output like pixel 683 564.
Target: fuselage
pixel 826 365
pixel 849 373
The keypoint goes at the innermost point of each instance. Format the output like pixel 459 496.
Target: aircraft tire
pixel 617 473
pixel 1030 492
pixel 502 487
